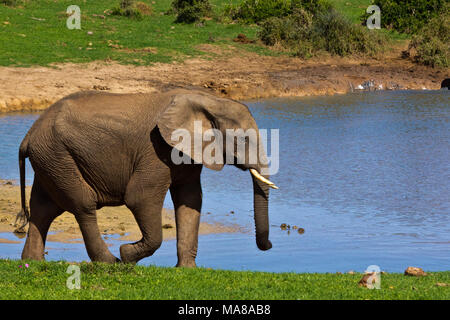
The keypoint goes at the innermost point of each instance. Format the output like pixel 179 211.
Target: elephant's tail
pixel 24 215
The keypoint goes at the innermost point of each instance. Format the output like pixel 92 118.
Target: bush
pixel 10 3
pixel 432 43
pixel 407 16
pixel 254 11
pixel 292 32
pixel 305 34
pixel 131 9
pixel 336 34
pixel 312 6
pixel 189 11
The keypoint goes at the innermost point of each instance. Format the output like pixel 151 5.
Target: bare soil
pixel 227 71
pixel 111 221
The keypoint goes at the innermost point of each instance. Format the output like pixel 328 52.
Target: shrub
pixel 258 10
pixel 10 3
pixel 312 6
pixel 189 11
pixel 131 9
pixel 407 16
pixel 336 34
pixel 432 43
pixel 292 32
pixel 305 34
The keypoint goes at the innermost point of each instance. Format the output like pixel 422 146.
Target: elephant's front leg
pixel 187 199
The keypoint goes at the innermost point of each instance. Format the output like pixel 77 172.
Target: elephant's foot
pixel 28 254
pixel 133 252
pixel 128 253
pixel 186 263
pixel 34 246
pixel 106 257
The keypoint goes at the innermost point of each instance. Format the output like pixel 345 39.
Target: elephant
pixel 93 149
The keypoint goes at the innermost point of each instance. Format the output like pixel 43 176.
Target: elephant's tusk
pixel 258 176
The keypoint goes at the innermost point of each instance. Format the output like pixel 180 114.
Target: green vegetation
pixel 145 32
pixel 47 280
pixel 35 33
pixel 189 11
pixel 250 11
pixel 432 43
pixel 132 9
pixel 309 30
pixel 257 11
pixel 408 16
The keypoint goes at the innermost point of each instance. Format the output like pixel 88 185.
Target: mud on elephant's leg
pixel 43 212
pixel 187 200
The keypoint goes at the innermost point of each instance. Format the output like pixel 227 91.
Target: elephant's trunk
pixel 260 204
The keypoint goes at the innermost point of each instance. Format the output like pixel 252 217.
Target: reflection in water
pixel 366 175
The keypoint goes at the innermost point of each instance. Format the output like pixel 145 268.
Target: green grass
pixel 354 9
pixel 26 41
pixel 47 280
pixel 35 33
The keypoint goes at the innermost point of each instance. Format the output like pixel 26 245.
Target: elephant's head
pixel 194 111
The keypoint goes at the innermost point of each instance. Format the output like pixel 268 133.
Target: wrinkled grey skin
pixel 91 150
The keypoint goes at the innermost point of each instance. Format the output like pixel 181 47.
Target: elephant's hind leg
pixel 43 210
pixel 95 245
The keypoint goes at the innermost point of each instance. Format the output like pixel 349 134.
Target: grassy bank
pixel 47 280
pixel 35 32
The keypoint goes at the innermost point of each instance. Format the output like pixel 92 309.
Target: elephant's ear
pixel 187 117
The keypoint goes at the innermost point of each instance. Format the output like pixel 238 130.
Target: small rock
pixel 441 284
pixel 98 87
pixel 415 271
pixel 368 280
pixel 167 226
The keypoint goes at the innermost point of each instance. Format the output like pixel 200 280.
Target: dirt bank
pixel 232 72
pixel 111 220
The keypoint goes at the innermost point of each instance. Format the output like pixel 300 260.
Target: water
pixel 366 175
